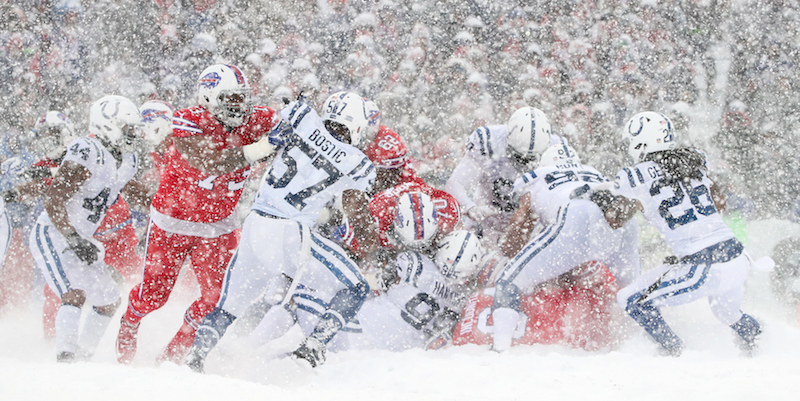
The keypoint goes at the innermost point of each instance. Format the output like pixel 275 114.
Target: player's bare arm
pixel 201 153
pixel 519 229
pixel 718 197
pixel 622 209
pixel 138 194
pixel 356 208
pixel 65 184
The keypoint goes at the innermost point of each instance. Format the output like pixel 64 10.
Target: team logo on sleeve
pixel 210 80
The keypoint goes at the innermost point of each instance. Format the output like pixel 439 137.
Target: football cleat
pixel 195 361
pixel 66 357
pixel 311 350
pixel 126 341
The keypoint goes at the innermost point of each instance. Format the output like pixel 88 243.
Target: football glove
pixel 84 249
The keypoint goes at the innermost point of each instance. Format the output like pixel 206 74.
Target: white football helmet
pixel 223 90
pixel 559 154
pixel 528 135
pixel 648 132
pixel 157 119
pixel 117 120
pixel 459 255
pixel 350 110
pixel 415 222
pixel 52 133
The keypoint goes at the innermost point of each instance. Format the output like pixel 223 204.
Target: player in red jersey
pixel 193 213
pixel 395 177
pixel 574 310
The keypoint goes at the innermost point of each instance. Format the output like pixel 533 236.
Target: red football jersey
pixel 383 209
pixel 573 311
pixel 188 194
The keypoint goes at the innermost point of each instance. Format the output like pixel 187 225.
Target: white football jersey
pixel 88 206
pixel 415 308
pixel 684 213
pixel 311 169
pixel 551 187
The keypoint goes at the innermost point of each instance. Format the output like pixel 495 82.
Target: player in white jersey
pixel 422 307
pixel 93 173
pixel 495 156
pixel 575 232
pixel 671 187
pixel 319 161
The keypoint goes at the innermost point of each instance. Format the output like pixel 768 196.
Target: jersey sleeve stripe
pixel 489 148
pixel 359 166
pixel 630 176
pixel 185 125
pixel 482 138
pixel 299 117
pixel 101 156
pixel 639 175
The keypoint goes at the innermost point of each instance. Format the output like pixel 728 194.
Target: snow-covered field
pixel 711 368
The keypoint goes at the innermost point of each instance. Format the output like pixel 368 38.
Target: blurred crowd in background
pixel 724 71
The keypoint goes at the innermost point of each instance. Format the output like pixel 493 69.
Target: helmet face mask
pixel 349 110
pixel 648 132
pixel 223 90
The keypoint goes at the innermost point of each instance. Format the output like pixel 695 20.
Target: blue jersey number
pixel 699 200
pixel 320 163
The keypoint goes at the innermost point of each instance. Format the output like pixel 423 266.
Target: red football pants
pixel 164 256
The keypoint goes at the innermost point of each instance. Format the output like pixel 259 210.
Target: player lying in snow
pixel 572 310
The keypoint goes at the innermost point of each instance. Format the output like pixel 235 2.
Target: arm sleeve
pixel 463 180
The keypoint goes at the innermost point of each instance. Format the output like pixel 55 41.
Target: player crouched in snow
pixel 92 174
pixel 422 304
pixel 575 232
pixel 494 158
pixel 319 161
pixel 670 185
pixel 420 300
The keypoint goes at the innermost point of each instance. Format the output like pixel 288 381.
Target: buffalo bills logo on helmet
pixel 150 115
pixel 210 80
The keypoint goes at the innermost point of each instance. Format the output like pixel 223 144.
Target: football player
pixel 52 132
pixel 91 176
pixel 671 187
pixel 495 156
pixel 320 161
pixel 575 232
pixel 193 214
pixel 421 306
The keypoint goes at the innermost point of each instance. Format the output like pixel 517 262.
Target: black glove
pixel 10 196
pixel 603 199
pixel 86 251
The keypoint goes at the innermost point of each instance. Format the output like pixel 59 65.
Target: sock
pixel 68 321
pixel 505 321
pixel 93 329
pixel 649 317
pixel 211 329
